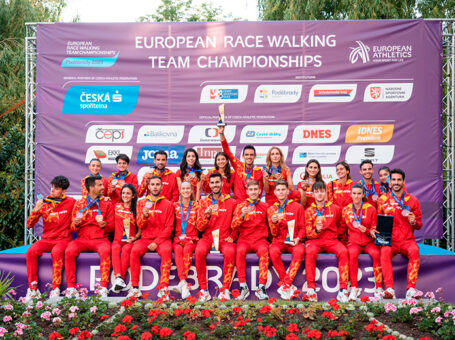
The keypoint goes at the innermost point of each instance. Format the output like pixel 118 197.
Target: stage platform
pixel 437 270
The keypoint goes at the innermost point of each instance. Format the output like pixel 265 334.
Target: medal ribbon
pixel 121 177
pixel 184 218
pixel 251 202
pixel 91 202
pixel 281 208
pixel 216 202
pixel 357 218
pixel 248 173
pixel 320 213
pixel 53 201
pixel 149 198
pixel 400 201
pixel 371 191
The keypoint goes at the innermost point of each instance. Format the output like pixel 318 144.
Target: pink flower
pixel 390 307
pixel 438 319
pixel 446 314
pixel 429 295
pixel 7 318
pixel 72 315
pixel 74 309
pixel 3 331
pixel 56 311
pixel 26 314
pixel 22 299
pixel 78 285
pixel 56 320
pixel 439 290
pixel 9 307
pixel 20 325
pixel 39 304
pixel 415 310
pixel 12 292
pixel 93 309
pixel 46 316
pixel 436 310
pixel 18 332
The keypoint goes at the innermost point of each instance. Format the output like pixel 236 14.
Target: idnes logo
pixel 207 153
pixel 107 153
pixel 174 154
pixel 224 93
pixel 266 134
pixel 109 134
pixel 160 134
pixel 316 134
pixel 206 134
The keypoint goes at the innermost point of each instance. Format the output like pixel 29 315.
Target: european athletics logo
pixel 361 51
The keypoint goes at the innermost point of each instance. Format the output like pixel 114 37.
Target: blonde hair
pixel 192 192
pixel 268 161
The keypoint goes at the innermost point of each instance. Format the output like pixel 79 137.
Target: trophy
pixel 290 235
pixel 221 121
pixel 216 241
pixel 126 229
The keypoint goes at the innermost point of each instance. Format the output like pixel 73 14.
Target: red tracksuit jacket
pixel 122 213
pixel 56 218
pixel 338 193
pixel 170 189
pixel 115 195
pixel 84 189
pixel 270 196
pixel 369 219
pixel 240 178
pixel 254 227
pixel 292 211
pixel 89 227
pixel 227 186
pixel 377 188
pixel 219 220
pixel 332 222
pixel 158 226
pixel 191 231
pixel 402 229
pixel 309 195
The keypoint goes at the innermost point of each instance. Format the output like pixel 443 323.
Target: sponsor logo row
pixel 319 93
pixel 379 154
pixel 250 134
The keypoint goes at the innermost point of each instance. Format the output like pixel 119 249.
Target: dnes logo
pixel 359 52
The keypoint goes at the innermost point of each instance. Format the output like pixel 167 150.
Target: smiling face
pixel 319 195
pixel 383 174
pixel 155 186
pixel 221 161
pixel 160 161
pixel 186 190
pixel 127 195
pixel 215 184
pixel 190 159
pixel 97 190
pixel 396 181
pixel 281 192
pixel 275 156
pixel 357 195
pixel 94 167
pixel 312 169
pixel 253 192
pixel 341 171
pixel 122 165
pixel 249 156
pixel 367 171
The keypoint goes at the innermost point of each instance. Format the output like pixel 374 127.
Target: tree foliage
pixel 13 16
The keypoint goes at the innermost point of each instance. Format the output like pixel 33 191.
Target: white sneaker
pixel 224 295
pixel 204 295
pixel 379 293
pixel 103 292
pixel 261 293
pixel 185 291
pixel 343 295
pixel 284 292
pixel 244 293
pixel 179 287
pixel 118 285
pixel 32 294
pixel 312 296
pixel 72 292
pixel 389 293
pixel 54 294
pixel 134 292
pixel 354 294
pixel 413 293
pixel 292 290
pixel 163 294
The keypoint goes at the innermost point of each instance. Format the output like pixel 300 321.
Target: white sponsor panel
pixel 329 173
pixel 316 134
pixel 278 93
pixel 378 154
pixel 324 154
pixel 207 153
pixel 224 93
pixel 332 93
pixel 160 134
pixel 109 134
pixel 261 153
pixel 145 169
pixel 264 134
pixel 209 134
pixel 107 153
pixel 390 92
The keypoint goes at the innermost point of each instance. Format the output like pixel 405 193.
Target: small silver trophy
pixel 221 121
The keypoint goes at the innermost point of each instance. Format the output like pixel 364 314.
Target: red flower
pixel 192 299
pixel 134 327
pixel 146 336
pixel 155 330
pixel 259 319
pixel 272 300
pixel 237 309
pixel 364 299
pixel 124 337
pixel 260 328
pixel 332 301
pixel 425 338
pixel 132 298
pixel 315 334
pixel 265 309
pixel 205 313
pixel 104 317
pixel 293 327
pixel 189 335
pixel 389 337
pixel 126 303
pixel 239 317
pixel 328 315
pixel 145 295
pixel 291 336
pixel 335 306
pixel 85 335
pixel 55 336
pixel 165 332
pixel 119 328
pixel 305 297
pixel 212 326
pixel 127 319
pixel 240 324
pixel 235 293
pixel 74 330
pixel 178 312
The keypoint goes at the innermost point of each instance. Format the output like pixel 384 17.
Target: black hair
pixel 366 161
pixel 197 166
pixel 60 182
pixel 227 169
pixel 159 152
pixel 249 147
pixel 319 175
pixel 398 171
pixel 134 200
pixel 216 174
pixel 253 182
pixel 282 182
pixel 95 160
pixel 386 168
pixel 123 157
pixel 91 180
pixel 360 186
pixel 156 177
pixel 346 166
pixel 319 186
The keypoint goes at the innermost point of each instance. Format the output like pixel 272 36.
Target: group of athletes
pixel 339 217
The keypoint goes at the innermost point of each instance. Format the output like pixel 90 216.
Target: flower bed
pixel 91 317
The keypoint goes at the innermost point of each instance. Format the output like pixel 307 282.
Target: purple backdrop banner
pixel 328 90
pixel 434 268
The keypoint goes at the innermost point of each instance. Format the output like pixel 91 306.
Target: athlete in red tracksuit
pixel 372 187
pixel 360 219
pixel 275 170
pixel 95 168
pixel 244 172
pixel 339 190
pixel 93 220
pixel 118 179
pixel 228 185
pixel 286 217
pixel 186 236
pixel 156 219
pixel 125 235
pixel 214 218
pixel 322 221
pixel 407 217
pixel 250 221
pixel 304 191
pixel 56 211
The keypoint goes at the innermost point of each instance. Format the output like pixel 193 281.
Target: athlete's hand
pixel 244 212
pixel 221 130
pixel 412 218
pixel 152 246
pixel 102 224
pixel 208 212
pixel 77 221
pixel 319 226
pixel 275 218
pixel 229 239
pixel 305 185
pixel 145 211
pixel 362 228
pixel 296 241
pixel 39 205
pixel 373 233
pixel 265 174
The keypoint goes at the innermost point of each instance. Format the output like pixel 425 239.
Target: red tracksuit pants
pixel 316 246
pixel 77 246
pixel 183 257
pixel 139 249
pixel 261 248
pixel 298 253
pixel 408 248
pixel 121 252
pixel 374 251
pixel 202 249
pixel 57 249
